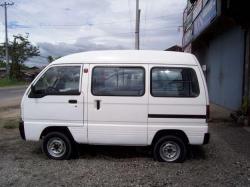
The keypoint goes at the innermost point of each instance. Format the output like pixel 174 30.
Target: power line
pixel 126 33
pixel 111 23
pixel 90 25
pixel 121 34
pixel 62 28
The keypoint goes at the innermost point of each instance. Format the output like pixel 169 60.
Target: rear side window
pixel 118 81
pixel 174 82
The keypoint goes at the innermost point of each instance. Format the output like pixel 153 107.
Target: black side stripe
pixel 176 116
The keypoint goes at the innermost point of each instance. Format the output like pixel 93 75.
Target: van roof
pixel 129 57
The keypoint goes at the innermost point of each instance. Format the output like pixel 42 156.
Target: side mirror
pixel 33 93
pixel 33 89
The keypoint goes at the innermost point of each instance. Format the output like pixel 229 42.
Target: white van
pixel 128 98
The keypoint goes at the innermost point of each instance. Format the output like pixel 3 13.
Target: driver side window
pixel 59 80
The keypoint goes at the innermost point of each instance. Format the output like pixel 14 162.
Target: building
pixel 28 74
pixel 217 32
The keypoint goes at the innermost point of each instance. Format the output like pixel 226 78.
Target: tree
pixel 2 52
pixel 20 49
pixel 50 59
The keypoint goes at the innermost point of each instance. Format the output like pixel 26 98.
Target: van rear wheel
pixel 57 146
pixel 170 149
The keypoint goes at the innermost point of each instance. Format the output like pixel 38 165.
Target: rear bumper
pixel 206 138
pixel 21 130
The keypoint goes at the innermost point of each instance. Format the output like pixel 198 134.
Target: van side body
pixel 118 98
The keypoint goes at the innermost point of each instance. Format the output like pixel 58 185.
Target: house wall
pixel 224 57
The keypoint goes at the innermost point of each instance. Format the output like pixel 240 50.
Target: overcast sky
pixel 61 27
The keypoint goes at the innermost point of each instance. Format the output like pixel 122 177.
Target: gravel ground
pixel 224 162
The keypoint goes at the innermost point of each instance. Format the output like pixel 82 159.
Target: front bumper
pixel 206 138
pixel 21 129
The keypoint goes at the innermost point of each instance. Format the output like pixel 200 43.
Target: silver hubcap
pixel 170 151
pixel 56 147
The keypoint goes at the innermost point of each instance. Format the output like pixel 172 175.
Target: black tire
pixel 170 143
pixel 60 140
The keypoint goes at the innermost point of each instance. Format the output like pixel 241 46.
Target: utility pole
pixel 137 26
pixel 5 5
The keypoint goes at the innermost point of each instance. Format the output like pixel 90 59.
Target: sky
pixel 62 27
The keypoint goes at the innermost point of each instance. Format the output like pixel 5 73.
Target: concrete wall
pixel 224 57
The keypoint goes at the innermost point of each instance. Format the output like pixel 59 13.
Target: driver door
pixel 56 98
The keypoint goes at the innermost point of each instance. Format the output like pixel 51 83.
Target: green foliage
pixel 2 50
pixel 10 82
pixel 244 106
pixel 2 65
pixel 50 59
pixel 20 50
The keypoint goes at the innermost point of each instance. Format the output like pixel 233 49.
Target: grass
pixel 11 124
pixel 10 82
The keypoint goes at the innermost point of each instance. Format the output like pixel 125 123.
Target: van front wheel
pixel 57 146
pixel 170 149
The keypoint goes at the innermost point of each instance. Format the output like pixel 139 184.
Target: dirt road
pixel 10 98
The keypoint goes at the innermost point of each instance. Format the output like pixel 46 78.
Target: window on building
pixel 174 82
pixel 118 81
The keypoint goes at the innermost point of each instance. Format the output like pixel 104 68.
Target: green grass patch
pixel 10 82
pixel 11 124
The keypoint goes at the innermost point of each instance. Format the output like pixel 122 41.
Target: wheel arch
pixel 174 132
pixel 61 129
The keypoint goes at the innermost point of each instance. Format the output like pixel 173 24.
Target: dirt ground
pixel 224 162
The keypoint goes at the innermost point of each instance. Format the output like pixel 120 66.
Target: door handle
pixel 72 101
pixel 98 104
